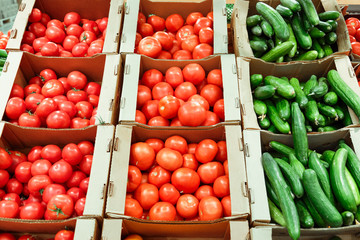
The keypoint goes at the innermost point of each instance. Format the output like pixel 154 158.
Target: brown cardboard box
pixel 243 9
pixel 300 70
pixel 136 65
pixel 254 140
pixel 118 228
pixel 23 139
pixel 165 8
pixel 104 69
pixel 113 9
pixel 126 135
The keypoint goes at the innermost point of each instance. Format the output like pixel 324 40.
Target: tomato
pixel 28 37
pixel 76 193
pixel 15 107
pixel 145 177
pixel 40 167
pixel 75 179
pixel 190 42
pixel 80 49
pixel 169 159
pixel 142 155
pixel 17 91
pixel 91 26
pixel 192 148
pixel 162 211
pixel 52 88
pixel 33 100
pixel 150 47
pixel 8 209
pixel 38 183
pixel 84 184
pixel 77 80
pixel 87 37
pixel 14 186
pixel 155 143
pixel 211 93
pixel 74 30
pixel 210 208
pixel 190 161
pixel 206 35
pixel 226 168
pixel 206 150
pixel 76 96
pixel 158 23
pixel 351 29
pixel 22 173
pixel 182 55
pixel 133 208
pixel 102 24
pixel 51 153
pixel 151 109
pixel 38 29
pixel 161 90
pixel 32 211
pixel 210 171
pixel 177 143
pixel 175 48
pixel 211 119
pixel 168 193
pixel 34 154
pixel 47 74
pixel 85 164
pixel 133 237
pixel 84 109
pixel 45 18
pixel 52 190
pixel 194 73
pixel 191 114
pixel 68 107
pixel 201 100
pixel 355 46
pixel 215 77
pixel 64 235
pixel 55 34
pixel 146 29
pixel 169 106
pixel 69 42
pixel 60 207
pixel 79 122
pixel 185 180
pixel 95 47
pixel 143 95
pixel 71 153
pixel 141 18
pixel 164 55
pixel 202 23
pixel 187 206
pixel 27 237
pixel 204 191
pixel 147 194
pixel 175 122
pixel 17 157
pixel 221 186
pixel 137 39
pixel 134 178
pixel 46 106
pixel 58 119
pixel 26 48
pixel 158 121
pixel 4 178
pixel 151 77
pixel 39 43
pixel 210 16
pixel 79 206
pixel 352 39
pixel 140 117
pixel 159 176
pixel 185 90
pixel 219 109
pixel 55 23
pixel 174 76
pixel 7 236
pixel 31 89
pixel 35 15
pixel 202 50
pixel 193 17
pixel 174 22
pixel 357 35
pixel 164 39
pixel 353 21
pixel 72 18
pixel 226 204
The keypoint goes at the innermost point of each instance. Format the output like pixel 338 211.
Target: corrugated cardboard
pixel 136 65
pixel 104 69
pixel 300 70
pixel 23 139
pixel 164 9
pixel 86 229
pixel 254 140
pixel 117 228
pixel 113 9
pixel 126 135
pixel 243 9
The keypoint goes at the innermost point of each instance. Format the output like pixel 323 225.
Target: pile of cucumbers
pixel 3 56
pixel 323 102
pixel 292 31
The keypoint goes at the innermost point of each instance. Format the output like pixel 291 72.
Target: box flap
pixel 239 230
pixel 111 229
pixel 219 26
pixel 128 35
pixel 264 233
pixel 115 18
pixel 86 229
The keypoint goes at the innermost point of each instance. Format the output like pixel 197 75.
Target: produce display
pixel 322 101
pixel 48 183
pixel 60 235
pixel 72 36
pixel 175 37
pixel 176 180
pixel 54 102
pixel 183 97
pixel 292 31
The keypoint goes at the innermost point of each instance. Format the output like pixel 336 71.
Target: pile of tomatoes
pixel 72 37
pixel 183 97
pixel 174 37
pixel 48 183
pixel 353 26
pixel 49 101
pixel 174 180
pixel 4 39
pixel 61 235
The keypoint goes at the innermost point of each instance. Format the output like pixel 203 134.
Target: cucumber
pixel 322 175
pixel 309 55
pixel 312 112
pixel 348 218
pixel 292 39
pixel 253 20
pixel 325 164
pixel 321 121
pixel 357 215
pixel 256 30
pixel 321 41
pixel 258 54
pixel 327 111
pixel 259 46
pixel 272 129
pixel 324 26
pixel 275 214
pixel 328 50
pixel 300 97
pixel 279 51
pixel 339 183
pixel 353 187
pixel 302 37
pixel 296 165
pixel 256 38
pixel 305 22
pixel 313 212
pixel 327 129
pixel 306 221
pixel 283 108
pixel 316 33
pixel 333 24
pixel 281 148
pixel 283 87
pixel 328 156
pixel 353 162
pixel 310 11
pixel 329 15
pixel 260 108
pixel 271 193
pixel 284 11
pixel 278 42
pixel 308 128
pixel 349 97
pixel 321 203
pixel 347 118
pixel 316 46
pixel 281 125
pixel 264 92
pixel 256 80
pixel 319 90
pixel 275 19
pixel 299 134
pixel 3 53
pixel 270 43
pixel 266 28
pixel 293 5
pixel 264 122
pixel 287 204
pixel 331 38
pixel 330 98
pixel 310 84
pixel 286 79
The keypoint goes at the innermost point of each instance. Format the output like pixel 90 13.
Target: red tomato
pixel 17 91
pixel 158 121
pixel 206 35
pixel 142 155
pixel 175 122
pixel 17 157
pixel 191 114
pixel 35 15
pixel 40 167
pixel 4 176
pixel 60 207
pixel 185 90
pixel 226 203
pixel 169 159
pixel 151 109
pixel 190 161
pixel 352 39
pixel 75 193
pixel 7 236
pixel 168 193
pixel 141 18
pixel 150 47
pixel 210 171
pixel 206 150
pixel 31 89
pixel 45 19
pixel 64 235
pixel 34 154
pixel 84 184
pixel 169 106
pixel 75 179
pixel 68 107
pixel 158 23
pixel 27 237
pixel 147 194
pixel 161 90
pixel 52 190
pixel 55 34
pixel 159 176
pixel 38 183
pixel 76 96
pixel 79 206
pixel 58 119
pixel 134 178
pixel 133 208
pixel 69 42
pixel 185 180
pixel 5 159
pixel 38 29
pixel 60 171
pixel 187 206
pixel 192 148
pixel 222 186
pixel 14 186
pixel 39 43
pixel 174 76
pixel 163 211
pixel 210 16
pixel 84 109
pixel 182 55
pixel 174 22
pixel 184 32
pixel 47 74
pixel 357 35
pixel 202 50
pixel 33 100
pixel 194 73
pixel 351 29
pixel 137 39
pixel 353 21
pixel 210 208
pixel 26 48
pixel 74 30
pixel 51 153
pixel 145 29
pixel 91 26
pixel 71 153
pixel 201 100
pixel 164 39
pixel 151 77
pixel 15 107
pixel 175 48
pixel 193 17
pixel 143 95
pixel 204 191
pixel 77 80
pixel 211 119
pixel 221 156
pixel 190 42
pixel 164 55
pixel 47 106
pixel 85 164
pixel 72 18
pixel 177 143
pixel 80 49
pixel 211 93
pixel 8 209
pixel 140 117
pixel 55 23
pixel 355 46
pixel 87 37
pixel 91 88
pixel 33 211
pixel 102 24
pixel 219 109
pixel 86 147
pixel 215 77
pixel 226 168
pixel 28 37
pixel 52 88
pixel 29 120
pixel 202 23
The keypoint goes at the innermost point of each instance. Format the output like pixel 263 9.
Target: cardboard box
pixel 243 9
pixel 165 8
pixel 113 9
pixel 136 65
pixel 254 140
pixel 104 69
pixel 118 228
pixel 23 139
pixel 126 135
pixel 300 70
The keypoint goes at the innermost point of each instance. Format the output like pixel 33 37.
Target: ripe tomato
pixel 79 206
pixel 210 208
pixel 151 109
pixel 215 77
pixel 190 161
pixel 87 37
pixel 69 42
pixel 146 29
pixel 193 17
pixel 185 180
pixel 141 18
pixel 102 24
pixel 35 15
pixel 204 191
pixel 226 168
pixel 142 155
pixel 17 91
pixel 74 30
pixel 84 184
pixel 353 21
pixel 194 73
pixel 55 34
pixel 162 211
pixel 31 89
pixel 219 109
pixel 191 114
pixel 15 107
pixel 174 22
pixel 46 106
pixel 187 206
pixel 7 236
pixel 202 50
pixel 175 48
pixel 4 177
pixel 169 159
pixel 143 95
pixel 38 29
pixel 52 190
pixel 192 148
pixel 147 194
pixel 77 80
pixel 155 143
pixel 76 96
pixel 32 211
pixel 201 100
pixel 351 29
pixel 222 186
pixel 206 150
pixel 33 100
pixel 86 147
pixel 185 90
pixel 80 50
pixel 190 42
pixel 226 204
pixel 182 55
pixel 210 16
pixel 140 117
pixel 165 40
pixel 174 76
pixel 71 153
pixel 75 179
pixel 58 119
pixel 201 23
pixel 40 167
pixel 133 208
pixel 68 107
pixel 85 164
pixel 84 109
pixel 168 193
pixel 158 121
pixel 14 186
pixel 38 183
pixel 91 26
pixel 51 152
pixel 177 143
pixel 133 237
pixel 158 23
pixel 52 88
pixel 60 207
pixel 8 209
pixel 357 35
pixel 64 235
pixel 211 119
pixel 151 77
pixel 355 46
pixel 75 193
pixel 352 39
pixel 169 106
pixel 92 88
pixel 175 122
pixel 26 48
pixel 150 47
pixel 210 171
pixel 134 178
pixel 55 23
pixel 159 176
pixel 164 55
pixel 28 38
pixel 39 43
pixel 206 35
pixel 71 18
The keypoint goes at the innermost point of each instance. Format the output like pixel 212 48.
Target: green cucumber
pixel 353 162
pixel 256 30
pixel 319 90
pixel 348 218
pixel 306 221
pixel 296 165
pixel 271 193
pixel 316 33
pixel 339 183
pixel 316 46
pixel 325 27
pixel 264 122
pixel 253 20
pixel 3 53
pixel 258 54
pixel 310 84
pixel 312 112
pixel 256 38
pixel 256 80
pixel 322 41
pixel 281 125
pixel 308 128
pixel 347 118
pixel 300 97
pixel 309 55
pixel 310 11
pixel 305 22
pixel 272 129
pixel 333 24
pixel 328 50
pixel 279 51
pixel 339 112
pixel 283 108
pixel 302 37
pixel 327 111
pixel 287 204
pixel 275 214
pixel 329 15
pixel 325 164
pixel 264 92
pixel 260 108
pixel 331 38
pixel 353 187
pixel 283 87
pixel 266 28
pixel 357 215
pixel 270 43
pixel 330 98
pixel 275 20
pixel 327 129
pixel 299 134
pixel 293 5
pixel 259 46
pixel 278 42
pixel 314 213
pixel 281 148
pixel 284 11
pixel 328 156
pixel 292 39
pixel 285 78
pixel 321 121
pixel 321 203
